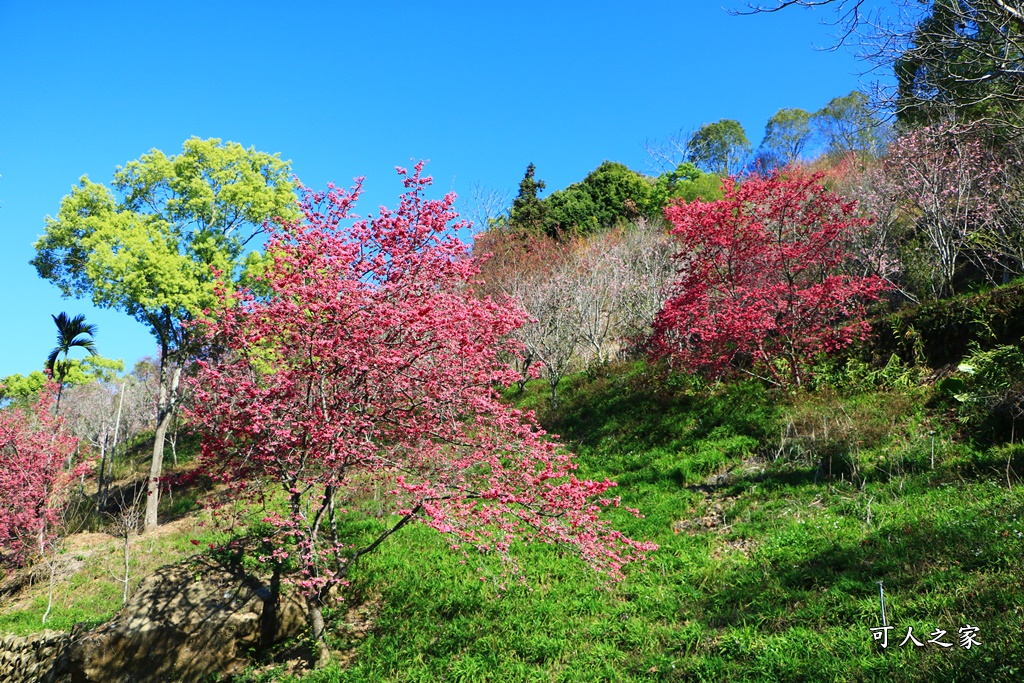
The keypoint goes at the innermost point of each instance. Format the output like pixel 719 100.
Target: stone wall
pixel 38 658
pixel 186 622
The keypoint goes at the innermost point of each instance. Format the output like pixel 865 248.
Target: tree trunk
pixel 321 653
pixel 60 390
pixel 104 485
pixel 164 414
pixel 268 618
pixel 103 470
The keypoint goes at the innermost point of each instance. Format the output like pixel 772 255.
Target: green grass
pixel 781 586
pixel 769 561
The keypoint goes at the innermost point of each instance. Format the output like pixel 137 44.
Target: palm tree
pixel 71 333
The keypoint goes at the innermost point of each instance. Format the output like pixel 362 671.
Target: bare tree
pixel 596 279
pixel 125 525
pixel 947 184
pixel 91 412
pixel 106 414
pixel 960 55
pixel 486 206
pixel 850 14
pixel 553 335
pixel 666 155
pixel 646 251
pixel 583 297
pixel 1003 241
pixel 875 248
pixel 621 280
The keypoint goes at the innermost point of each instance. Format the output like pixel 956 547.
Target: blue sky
pixel 480 89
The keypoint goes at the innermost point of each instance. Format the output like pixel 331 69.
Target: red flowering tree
pixel 759 288
pixel 35 482
pixel 366 363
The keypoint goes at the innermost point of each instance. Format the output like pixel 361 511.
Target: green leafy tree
pixel 848 125
pixel 953 59
pixel 72 333
pixel 92 369
pixel 686 182
pixel 78 371
pixel 786 137
pixel 719 147
pixel 527 212
pixel 153 252
pixel 19 386
pixel 610 194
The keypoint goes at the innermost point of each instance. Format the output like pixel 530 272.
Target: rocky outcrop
pixel 184 623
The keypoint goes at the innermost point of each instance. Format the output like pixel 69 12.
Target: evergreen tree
pixel 528 210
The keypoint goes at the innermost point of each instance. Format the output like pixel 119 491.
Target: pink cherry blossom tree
pixel 948 185
pixel 35 484
pixel 367 363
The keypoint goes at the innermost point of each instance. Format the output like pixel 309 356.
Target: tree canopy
pixel 786 137
pixel 760 289
pixel 150 253
pixel 719 147
pixel 848 124
pixel 72 333
pixel 610 193
pixel 528 210
pixel 155 251
pixel 370 363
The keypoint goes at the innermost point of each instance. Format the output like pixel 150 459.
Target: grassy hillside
pixel 777 516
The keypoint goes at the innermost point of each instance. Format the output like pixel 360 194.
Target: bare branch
pixel 964 55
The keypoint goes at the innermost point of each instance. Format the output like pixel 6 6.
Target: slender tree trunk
pixel 51 563
pixel 103 466
pixel 164 413
pixel 104 485
pixel 174 437
pixel 127 557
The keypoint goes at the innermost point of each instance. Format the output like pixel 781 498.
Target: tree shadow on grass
pixel 837 586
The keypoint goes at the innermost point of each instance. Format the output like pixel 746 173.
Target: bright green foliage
pixel 719 147
pixel 786 136
pixel 18 386
pixel 151 253
pixel 769 558
pixel 989 388
pixel 78 371
pixel 156 253
pixel 777 514
pixel 686 182
pixel 609 194
pixel 848 125
pixel 92 369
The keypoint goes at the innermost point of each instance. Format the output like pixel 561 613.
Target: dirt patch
pixel 711 517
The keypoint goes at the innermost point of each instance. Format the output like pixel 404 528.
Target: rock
pixel 38 658
pixel 185 622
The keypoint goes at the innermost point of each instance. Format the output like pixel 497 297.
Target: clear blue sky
pixel 344 89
